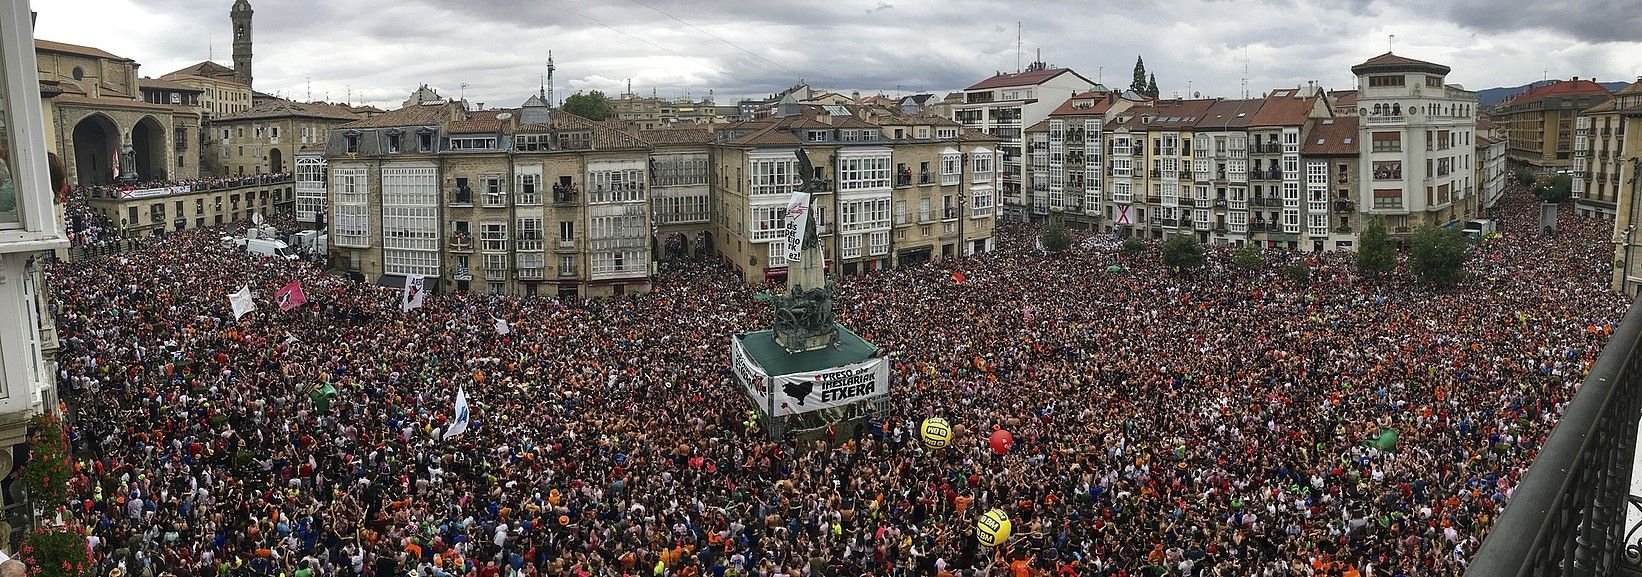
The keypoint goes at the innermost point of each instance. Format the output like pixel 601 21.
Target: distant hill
pixel 1491 96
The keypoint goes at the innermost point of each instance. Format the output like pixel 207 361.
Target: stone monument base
pixel 804 386
pixel 799 344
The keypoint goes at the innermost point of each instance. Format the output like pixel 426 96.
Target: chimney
pixel 856 96
pixel 1576 79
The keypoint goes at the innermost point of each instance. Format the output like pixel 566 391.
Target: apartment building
pixel 681 186
pixel 1604 149
pixel 1066 154
pixel 1490 171
pixel 1418 167
pixel 1331 152
pixel 1147 149
pixel 265 138
pixel 1540 122
pixel 889 201
pixel 1003 106
pixel 310 180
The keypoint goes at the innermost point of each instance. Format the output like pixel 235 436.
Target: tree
pixel 1055 236
pixel 1151 86
pixel 1375 253
pixel 1558 189
pixel 1132 246
pixel 1525 176
pixel 1182 253
pixel 592 105
pixel 1139 83
pixel 1248 257
pixel 1297 273
pixel 1437 255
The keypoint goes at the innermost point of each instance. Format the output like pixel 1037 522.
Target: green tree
pixel 1151 86
pixel 1525 176
pixel 1437 255
pixel 593 105
pixel 1248 257
pixel 1182 253
pixel 1139 83
pixel 1297 273
pixel 1375 253
pixel 1132 246
pixel 1055 236
pixel 1558 189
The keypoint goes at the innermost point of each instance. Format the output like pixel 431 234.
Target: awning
pixel 397 281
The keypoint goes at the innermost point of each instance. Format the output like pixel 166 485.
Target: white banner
pixel 411 296
pixel 162 191
pixel 750 375
pixel 798 216
pixel 834 387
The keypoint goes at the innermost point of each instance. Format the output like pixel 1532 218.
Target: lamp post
pixel 1630 230
pixel 963 196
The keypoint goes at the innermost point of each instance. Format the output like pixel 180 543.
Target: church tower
pixel 240 15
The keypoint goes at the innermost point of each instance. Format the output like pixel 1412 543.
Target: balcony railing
pixel 903 179
pixel 463 195
pixel 461 243
pixel 1567 516
pixel 564 194
pixel 1345 205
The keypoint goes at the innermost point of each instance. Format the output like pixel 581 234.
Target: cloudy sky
pixel 380 50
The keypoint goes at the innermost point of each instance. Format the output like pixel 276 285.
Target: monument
pixel 807 370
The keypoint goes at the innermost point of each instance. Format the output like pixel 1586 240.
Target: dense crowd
pixel 114 190
pixel 1210 424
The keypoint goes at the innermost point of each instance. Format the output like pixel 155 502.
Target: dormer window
pixel 816 136
pixel 424 141
pixel 353 143
pixel 393 143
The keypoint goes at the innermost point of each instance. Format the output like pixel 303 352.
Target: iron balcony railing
pixel 1567 516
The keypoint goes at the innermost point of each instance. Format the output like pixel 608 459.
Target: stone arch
pixel 96 138
pixel 276 162
pixel 148 149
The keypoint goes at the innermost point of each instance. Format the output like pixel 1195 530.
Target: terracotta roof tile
pixel 1027 78
pixel 1227 114
pixel 1332 137
pixel 1389 61
pixel 286 108
pixel 77 50
pixel 416 115
pixel 1560 87
pixel 1282 108
pixel 1091 103
pixel 163 84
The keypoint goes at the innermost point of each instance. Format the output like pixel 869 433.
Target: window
pixel 951 166
pixel 567 266
pixel 351 224
pixel 619 263
pixel 618 185
pixel 494 193
pixel 410 220
pixel 863 172
pixel 393 143
pixel 980 203
pixel 773 176
pixel 493 236
pixel 815 135
pixel 424 141
pixel 1383 81
pixel 878 243
pixel 981 164
pixel 674 209
pixel 529 188
pixel 768 223
pixel 678 170
pixel 900 212
pixel 1388 198
pixel 473 143
pixel 496 267
pixel 863 215
pixel 530 234
pixel 1387 142
pixel 353 143
pixel 852 246
pixel 944 133
pixel 567 230
pixel 533 142
pixel 310 189
pixel 923 210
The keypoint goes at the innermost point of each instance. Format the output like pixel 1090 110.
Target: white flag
pixel 798 216
pixel 459 424
pixel 411 297
pixel 502 328
pixel 241 301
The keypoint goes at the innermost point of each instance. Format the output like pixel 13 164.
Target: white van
pixel 1480 229
pixel 263 246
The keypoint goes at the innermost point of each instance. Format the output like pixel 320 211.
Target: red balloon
pixel 1001 441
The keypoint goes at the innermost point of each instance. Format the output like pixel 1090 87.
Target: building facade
pixel 265 138
pixel 1540 122
pixel 1004 106
pixel 1604 145
pixel 99 123
pixel 29 232
pixel 1417 168
pixel 138 211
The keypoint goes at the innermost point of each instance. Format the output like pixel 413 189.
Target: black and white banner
pixel 750 375
pixel 835 387
pixel 798 216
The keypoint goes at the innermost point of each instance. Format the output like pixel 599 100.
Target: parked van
pixel 263 246
pixel 1480 229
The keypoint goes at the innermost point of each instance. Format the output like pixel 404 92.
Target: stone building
pixel 99 123
pixel 1540 122
pixel 266 137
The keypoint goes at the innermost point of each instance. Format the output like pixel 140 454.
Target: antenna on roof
pixel 548 91
pixel 462 91
pixel 310 90
pixel 1017 46
pixel 210 47
pixel 1388 39
pixel 1245 72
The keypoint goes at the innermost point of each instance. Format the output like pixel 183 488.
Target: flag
pixel 116 162
pixel 411 298
pixel 322 397
pixel 958 277
pixel 241 301
pixel 290 297
pixel 502 328
pixel 459 424
pixel 798 218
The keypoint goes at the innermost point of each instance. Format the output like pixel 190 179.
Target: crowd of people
pixel 1215 423
pixel 115 189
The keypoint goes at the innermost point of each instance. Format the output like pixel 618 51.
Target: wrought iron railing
pixel 1567 516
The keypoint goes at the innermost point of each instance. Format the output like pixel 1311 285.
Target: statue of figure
pixel 803 316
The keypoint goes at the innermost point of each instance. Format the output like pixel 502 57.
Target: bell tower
pixel 240 15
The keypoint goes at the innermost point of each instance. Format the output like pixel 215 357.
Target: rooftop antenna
pixel 462 92
pixel 310 89
pixel 549 90
pixel 211 47
pixel 1017 46
pixel 1388 39
pixel 1245 72
pixel 350 95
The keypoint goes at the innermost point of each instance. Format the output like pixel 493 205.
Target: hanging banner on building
pixel 798 217
pixel 1122 216
pixel 749 375
pixel 161 191
pixel 834 387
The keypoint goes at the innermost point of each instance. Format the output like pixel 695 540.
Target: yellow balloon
pixel 935 432
pixel 993 528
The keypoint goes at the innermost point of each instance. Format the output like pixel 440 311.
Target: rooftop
pixel 1285 107
pixel 1027 78
pixel 1332 137
pixel 1574 87
pixel 291 109
pixel 1389 62
pixel 162 84
pixel 76 50
pixel 206 69
pixel 1230 114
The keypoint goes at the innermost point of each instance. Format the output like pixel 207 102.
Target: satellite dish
pixel 504 115
pixel 256 218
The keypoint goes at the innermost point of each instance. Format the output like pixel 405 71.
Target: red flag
pixel 290 297
pixel 957 277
